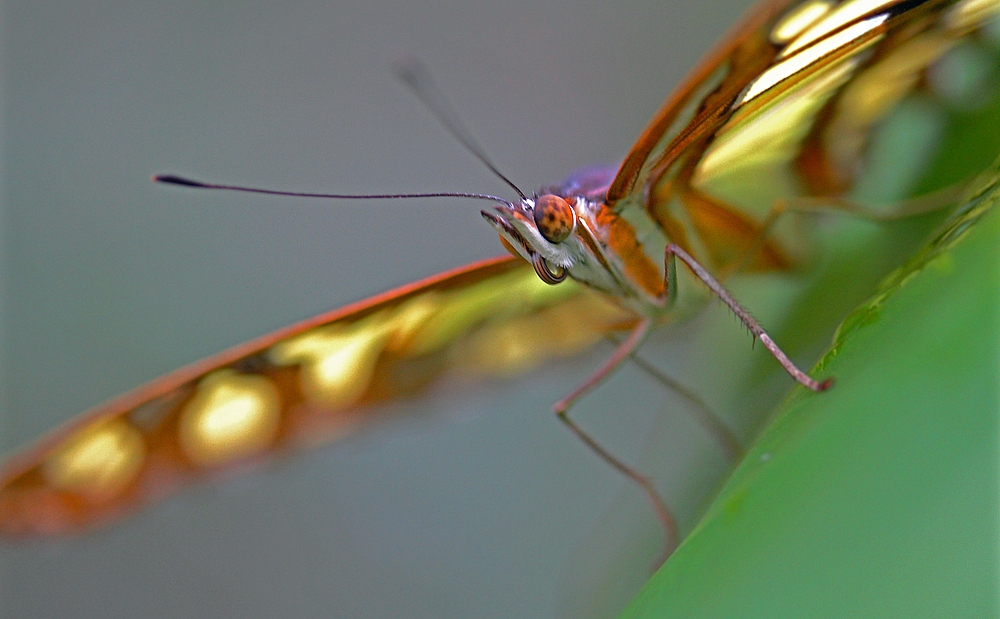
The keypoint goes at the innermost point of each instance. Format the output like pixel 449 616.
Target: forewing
pixel 789 107
pixel 307 384
pixel 676 135
pixel 724 71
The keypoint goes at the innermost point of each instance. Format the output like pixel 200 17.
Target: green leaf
pixel 878 498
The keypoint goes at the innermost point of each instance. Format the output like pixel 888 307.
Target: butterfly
pixel 792 96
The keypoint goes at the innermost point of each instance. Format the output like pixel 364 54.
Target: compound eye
pixel 554 218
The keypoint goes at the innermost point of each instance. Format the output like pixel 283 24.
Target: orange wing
pixel 307 384
pixel 788 106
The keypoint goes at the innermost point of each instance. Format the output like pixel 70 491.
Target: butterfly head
pixel 548 231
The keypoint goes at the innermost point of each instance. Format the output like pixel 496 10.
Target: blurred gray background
pixel 477 505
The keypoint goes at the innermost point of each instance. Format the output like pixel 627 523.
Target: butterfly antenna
pixel 172 179
pixel 415 75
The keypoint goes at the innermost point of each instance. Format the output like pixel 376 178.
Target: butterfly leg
pixel 670 282
pixel 902 209
pixel 624 351
pixel 763 234
pixel 700 411
pixel 912 207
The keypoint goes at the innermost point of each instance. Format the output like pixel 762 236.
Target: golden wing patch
pixel 304 385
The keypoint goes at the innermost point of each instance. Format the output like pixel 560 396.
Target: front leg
pixel 561 409
pixel 670 285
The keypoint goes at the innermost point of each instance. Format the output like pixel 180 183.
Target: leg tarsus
pixel 751 323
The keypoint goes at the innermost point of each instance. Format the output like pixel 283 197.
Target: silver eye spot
pixel 554 218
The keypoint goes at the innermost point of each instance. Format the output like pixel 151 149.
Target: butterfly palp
pixel 545 272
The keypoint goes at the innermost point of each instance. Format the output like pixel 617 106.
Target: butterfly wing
pixel 677 118
pixel 788 106
pixel 304 385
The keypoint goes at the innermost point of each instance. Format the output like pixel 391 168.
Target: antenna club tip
pixel 826 384
pixel 171 179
